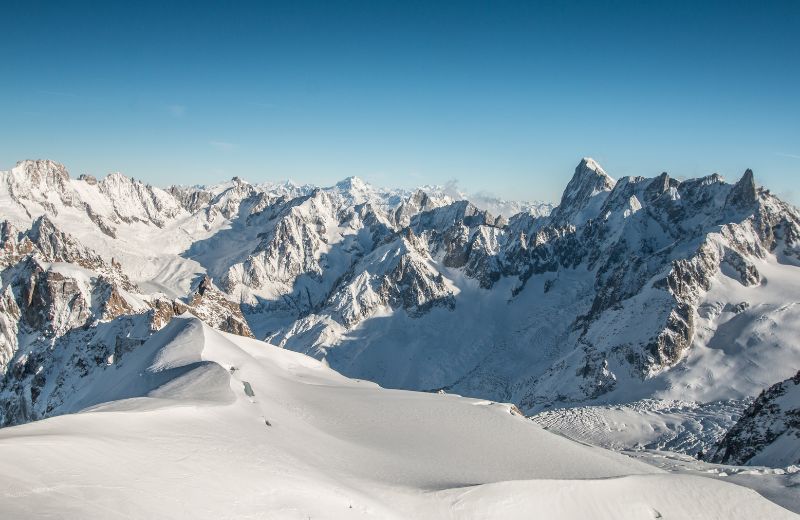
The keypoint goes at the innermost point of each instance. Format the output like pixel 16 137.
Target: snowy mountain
pixel 196 423
pixel 595 303
pixel 639 314
pixel 769 431
pixel 629 292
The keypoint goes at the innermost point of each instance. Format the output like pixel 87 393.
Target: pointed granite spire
pixel 584 194
pixel 743 193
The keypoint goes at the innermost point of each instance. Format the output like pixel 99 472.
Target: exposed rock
pixel 584 194
pixel 769 431
pixel 207 303
pixel 212 306
pixel 744 193
pixel 602 294
pixel 88 179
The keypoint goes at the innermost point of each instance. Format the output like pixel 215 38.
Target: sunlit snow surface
pixel 692 409
pixel 201 424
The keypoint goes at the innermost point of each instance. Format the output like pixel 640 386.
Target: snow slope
pixel 745 338
pixel 202 424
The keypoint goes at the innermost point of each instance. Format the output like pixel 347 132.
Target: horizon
pixel 450 187
pixel 498 100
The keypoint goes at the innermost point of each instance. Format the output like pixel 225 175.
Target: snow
pixel 759 340
pixel 310 265
pixel 785 447
pixel 690 408
pixel 776 484
pixel 183 436
pixel 680 426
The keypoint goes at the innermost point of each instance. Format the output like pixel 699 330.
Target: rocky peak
pixel 659 186
pixel 212 306
pixel 88 179
pixel 57 246
pixel 584 194
pixel 417 202
pixel 191 198
pixel 41 228
pixel 588 178
pixel 743 194
pixel 42 181
pixel 135 201
pixel 442 218
pixel 420 199
pixel 8 237
pixel 43 172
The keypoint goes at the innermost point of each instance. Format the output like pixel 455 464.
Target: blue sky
pixel 505 97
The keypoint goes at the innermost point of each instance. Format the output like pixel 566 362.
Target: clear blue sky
pixel 504 96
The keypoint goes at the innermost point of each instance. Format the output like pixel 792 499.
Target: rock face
pixel 608 286
pixel 768 433
pixel 628 289
pixel 584 194
pixel 207 303
pixel 65 313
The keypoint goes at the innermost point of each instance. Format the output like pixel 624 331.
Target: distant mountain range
pixel 630 290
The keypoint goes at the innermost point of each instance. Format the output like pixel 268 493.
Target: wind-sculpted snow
pixel 201 424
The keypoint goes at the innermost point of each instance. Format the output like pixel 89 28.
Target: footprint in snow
pixel 248 389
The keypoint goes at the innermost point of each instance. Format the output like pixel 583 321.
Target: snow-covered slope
pixel 627 291
pixel 66 313
pixel 675 294
pixel 769 431
pixel 198 423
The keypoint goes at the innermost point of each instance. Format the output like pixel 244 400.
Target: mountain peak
pixel 743 193
pixel 588 181
pixel 352 183
pixel 591 164
pixel 355 190
pixel 117 177
pixel 588 177
pixel 41 164
pixel 43 173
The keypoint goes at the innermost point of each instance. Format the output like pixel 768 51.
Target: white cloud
pixel 452 190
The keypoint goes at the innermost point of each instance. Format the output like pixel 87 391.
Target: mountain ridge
pixel 595 302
